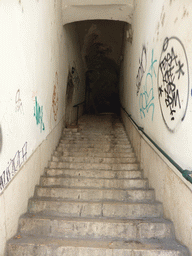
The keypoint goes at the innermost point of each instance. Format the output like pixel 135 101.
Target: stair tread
pixel 129 245
pixel 96 219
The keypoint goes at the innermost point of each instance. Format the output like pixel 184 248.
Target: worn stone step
pixel 95 136
pixel 105 160
pixel 93 182
pixel 92 149
pixel 131 195
pixel 95 209
pixel 88 143
pixel 105 146
pixel 95 139
pixel 92 154
pixel 107 228
pixel 45 246
pixel 95 166
pixel 133 174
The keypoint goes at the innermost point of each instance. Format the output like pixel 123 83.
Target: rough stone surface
pixel 93 200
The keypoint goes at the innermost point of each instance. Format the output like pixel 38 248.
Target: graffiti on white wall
pixel 173 82
pixel 18 102
pixel 13 166
pixel 146 99
pixel 55 98
pixel 141 69
pixel 38 114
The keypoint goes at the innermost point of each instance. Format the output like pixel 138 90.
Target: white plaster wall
pixel 153 22
pixel 33 79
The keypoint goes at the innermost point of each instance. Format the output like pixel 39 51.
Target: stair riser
pixel 105 146
pixel 91 229
pixel 79 139
pixel 92 154
pixel 111 160
pixel 48 250
pixel 90 209
pixel 95 194
pixel 94 183
pixel 95 166
pixel 94 150
pixel 94 174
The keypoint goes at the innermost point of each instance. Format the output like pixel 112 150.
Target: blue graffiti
pixel 38 113
pixel 146 100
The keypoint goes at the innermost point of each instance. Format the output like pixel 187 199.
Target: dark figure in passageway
pixel 102 80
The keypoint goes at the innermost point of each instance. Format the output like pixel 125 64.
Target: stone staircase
pixel 94 201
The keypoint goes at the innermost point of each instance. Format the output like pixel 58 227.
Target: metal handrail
pixel 77 106
pixel 185 173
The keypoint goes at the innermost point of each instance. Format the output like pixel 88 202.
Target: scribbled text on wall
pixel 141 69
pixel 173 82
pixel 13 166
pixel 38 113
pixel 146 99
pixel 55 98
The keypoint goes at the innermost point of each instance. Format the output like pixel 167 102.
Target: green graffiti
pixel 38 113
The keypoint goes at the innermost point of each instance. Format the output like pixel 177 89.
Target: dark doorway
pixel 101 47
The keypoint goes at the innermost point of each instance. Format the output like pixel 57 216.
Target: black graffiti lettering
pixel 171 70
pixel 24 152
pixel 1 183
pixel 13 166
pixel 8 175
pixel 180 71
pixel 141 69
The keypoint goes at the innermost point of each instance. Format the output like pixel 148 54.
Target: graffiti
pixel 13 166
pixel 38 113
pixel 1 139
pixel 173 82
pixel 20 3
pixel 55 98
pixel 18 102
pixel 142 68
pixel 146 100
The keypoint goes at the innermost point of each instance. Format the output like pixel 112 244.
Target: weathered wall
pixel 156 91
pixel 33 73
pixel 75 93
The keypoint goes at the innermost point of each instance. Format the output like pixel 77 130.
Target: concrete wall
pixel 156 90
pixel 34 68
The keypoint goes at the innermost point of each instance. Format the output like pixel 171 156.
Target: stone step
pixel 45 246
pixel 92 208
pixel 92 154
pixel 102 146
pixel 67 173
pixel 88 141
pixel 95 136
pixel 91 228
pixel 95 194
pixel 95 150
pixel 104 160
pixel 94 182
pixel 94 166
